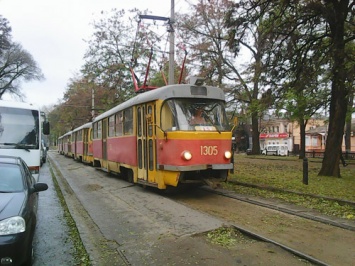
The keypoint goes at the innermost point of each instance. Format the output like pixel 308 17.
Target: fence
pixel 320 154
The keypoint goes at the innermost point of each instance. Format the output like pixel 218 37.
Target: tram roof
pixel 168 92
pixel 87 125
pixel 66 134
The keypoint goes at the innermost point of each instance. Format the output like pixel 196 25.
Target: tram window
pixel 182 112
pixel 167 118
pixel 150 127
pixel 94 131
pixel 140 156
pixel 139 123
pixel 119 124
pixel 128 121
pixel 151 155
pixel 79 136
pixel 99 126
pixel 111 126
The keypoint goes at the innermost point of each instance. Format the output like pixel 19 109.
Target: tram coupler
pixel 212 183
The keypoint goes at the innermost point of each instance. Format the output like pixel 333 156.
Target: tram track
pixel 285 208
pixel 277 236
pixel 308 235
pixel 291 250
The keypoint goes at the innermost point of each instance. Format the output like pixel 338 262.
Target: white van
pixel 275 149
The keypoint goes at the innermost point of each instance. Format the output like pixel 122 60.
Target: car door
pixel 32 198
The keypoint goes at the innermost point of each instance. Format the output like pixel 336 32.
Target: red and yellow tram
pixel 65 144
pixel 157 138
pixel 83 149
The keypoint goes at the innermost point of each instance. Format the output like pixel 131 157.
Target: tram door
pixel 85 142
pixel 146 142
pixel 104 143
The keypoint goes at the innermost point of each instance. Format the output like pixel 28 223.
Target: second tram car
pixel 83 149
pixel 67 144
pixel 164 137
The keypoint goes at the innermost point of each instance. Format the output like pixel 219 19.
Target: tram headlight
pixel 227 154
pixel 186 155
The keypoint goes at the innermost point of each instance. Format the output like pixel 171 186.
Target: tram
pixel 172 135
pixel 83 149
pixel 152 138
pixel 66 144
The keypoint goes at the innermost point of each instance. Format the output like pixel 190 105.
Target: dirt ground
pixel 332 245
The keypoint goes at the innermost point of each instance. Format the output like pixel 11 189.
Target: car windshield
pixel 10 178
pixel 194 115
pixel 19 128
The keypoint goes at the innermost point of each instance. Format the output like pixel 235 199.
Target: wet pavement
pixel 52 245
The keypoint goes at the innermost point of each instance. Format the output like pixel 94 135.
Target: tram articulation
pixel 151 139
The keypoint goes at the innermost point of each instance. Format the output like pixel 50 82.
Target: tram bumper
pixel 211 175
pixel 195 167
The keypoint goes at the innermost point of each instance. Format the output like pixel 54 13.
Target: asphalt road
pixel 52 245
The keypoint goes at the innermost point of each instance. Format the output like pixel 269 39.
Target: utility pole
pixel 92 102
pixel 172 46
pixel 171 22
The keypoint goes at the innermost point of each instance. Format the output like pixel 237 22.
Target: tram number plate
pixel 209 150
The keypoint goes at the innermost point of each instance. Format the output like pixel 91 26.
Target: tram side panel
pixel 121 151
pixel 79 150
pixel 88 146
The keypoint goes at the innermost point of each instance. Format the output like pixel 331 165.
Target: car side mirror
pixel 37 187
pixel 46 128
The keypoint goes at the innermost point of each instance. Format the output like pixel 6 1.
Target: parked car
pixel 276 149
pixel 18 211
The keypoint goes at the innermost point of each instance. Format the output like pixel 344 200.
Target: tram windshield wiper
pixel 206 117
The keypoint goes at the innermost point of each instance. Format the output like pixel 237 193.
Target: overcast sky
pixel 53 32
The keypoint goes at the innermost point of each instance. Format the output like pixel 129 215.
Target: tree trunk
pixel 302 138
pixel 347 138
pixel 255 133
pixel 339 92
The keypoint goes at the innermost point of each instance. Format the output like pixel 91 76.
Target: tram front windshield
pixel 19 128
pixel 194 115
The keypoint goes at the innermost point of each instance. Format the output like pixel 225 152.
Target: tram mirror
pixel 148 117
pixel 235 121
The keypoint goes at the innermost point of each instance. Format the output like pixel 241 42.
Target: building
pixel 280 131
pixel 316 139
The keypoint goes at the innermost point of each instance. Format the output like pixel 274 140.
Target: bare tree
pixel 17 65
pixel 5 34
